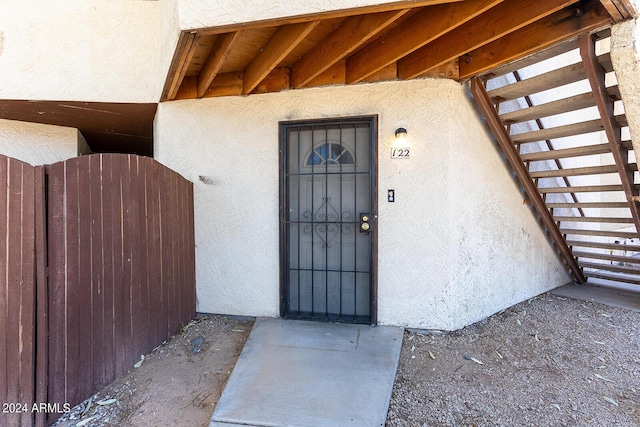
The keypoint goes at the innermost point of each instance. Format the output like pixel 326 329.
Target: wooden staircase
pixel 565 135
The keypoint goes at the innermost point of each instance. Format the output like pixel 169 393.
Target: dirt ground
pixel 174 386
pixel 549 361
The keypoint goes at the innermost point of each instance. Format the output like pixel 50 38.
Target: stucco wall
pixel 99 50
pixel 38 144
pixel 457 245
pixel 200 14
pixel 625 55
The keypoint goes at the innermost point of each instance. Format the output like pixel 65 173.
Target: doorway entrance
pixel 328 220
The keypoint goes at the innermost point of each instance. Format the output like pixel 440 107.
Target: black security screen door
pixel 328 220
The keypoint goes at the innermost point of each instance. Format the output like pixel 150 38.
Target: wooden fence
pixel 121 272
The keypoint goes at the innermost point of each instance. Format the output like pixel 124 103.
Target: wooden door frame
pixel 373 176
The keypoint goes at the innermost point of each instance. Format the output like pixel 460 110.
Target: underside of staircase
pixel 558 117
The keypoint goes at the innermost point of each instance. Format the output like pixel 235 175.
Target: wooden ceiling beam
pixel 332 14
pixel 596 77
pixel 187 44
pixel 334 75
pixel 423 27
pixel 271 54
pixel 349 36
pixel 491 25
pixel 219 53
pixel 620 10
pixel 568 23
pixel 226 84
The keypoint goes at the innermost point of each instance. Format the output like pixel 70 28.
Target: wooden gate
pixel 18 189
pixel 118 245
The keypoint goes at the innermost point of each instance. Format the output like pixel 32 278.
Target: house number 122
pixel 400 152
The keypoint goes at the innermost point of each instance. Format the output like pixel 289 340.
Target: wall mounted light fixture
pixel 400 148
pixel 401 133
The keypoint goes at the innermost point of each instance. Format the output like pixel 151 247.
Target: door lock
pixel 364 223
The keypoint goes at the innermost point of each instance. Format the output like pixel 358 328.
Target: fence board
pixel 4 289
pixel 57 290
pixel 137 306
pixel 14 247
pixel 145 166
pixel 191 268
pixel 130 355
pixel 83 290
pixel 27 295
pixel 155 261
pixel 164 250
pixel 180 248
pixel 107 205
pixel 41 298
pixel 17 280
pixel 97 277
pixel 72 275
pixel 119 340
pixel 167 250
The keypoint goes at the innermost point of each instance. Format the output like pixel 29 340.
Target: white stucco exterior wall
pixel 38 144
pixel 625 55
pixel 456 246
pixel 99 50
pixel 200 14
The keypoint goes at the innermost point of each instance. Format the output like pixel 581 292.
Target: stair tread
pixel 612 277
pixel 549 80
pixel 588 170
pixel 610 267
pixel 602 245
pixel 547 109
pixel 586 150
pixel 562 76
pixel 558 132
pixel 610 220
pixel 593 205
pixel 607 257
pixel 582 189
pixel 604 233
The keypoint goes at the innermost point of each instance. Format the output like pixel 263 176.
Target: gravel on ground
pixel 549 361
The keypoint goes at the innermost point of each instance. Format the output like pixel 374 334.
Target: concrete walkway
pixel 604 292
pixel 295 373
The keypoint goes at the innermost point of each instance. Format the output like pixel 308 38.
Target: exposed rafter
pixel 353 33
pixel 218 55
pixel 396 40
pixel 278 47
pixel 568 23
pixel 620 10
pixel 179 68
pixel 492 25
pixel 596 77
pixel 418 30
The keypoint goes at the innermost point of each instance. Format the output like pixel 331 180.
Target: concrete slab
pixel 616 295
pixel 297 373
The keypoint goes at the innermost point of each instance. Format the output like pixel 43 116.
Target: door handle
pixel 364 223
